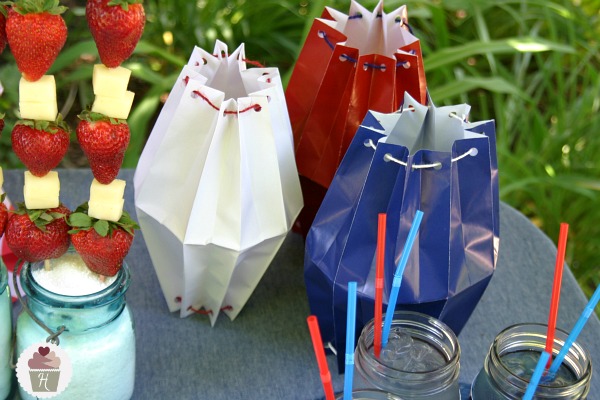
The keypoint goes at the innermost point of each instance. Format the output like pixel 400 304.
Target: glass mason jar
pixel 512 358
pixel 369 395
pixel 6 373
pixel 427 366
pixel 98 336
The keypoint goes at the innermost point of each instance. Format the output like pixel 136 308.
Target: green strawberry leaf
pixel 101 227
pixel 24 7
pixel 2 197
pixel 124 3
pixel 80 220
pixel 46 126
pixel 45 217
pixel 40 218
pixel 89 116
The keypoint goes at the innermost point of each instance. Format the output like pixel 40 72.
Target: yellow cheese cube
pixel 108 211
pixel 40 91
pixel 106 201
pixel 39 111
pixel 110 82
pixel 1 177
pixel 41 192
pixel 114 107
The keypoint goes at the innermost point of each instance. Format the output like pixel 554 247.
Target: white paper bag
pixel 217 188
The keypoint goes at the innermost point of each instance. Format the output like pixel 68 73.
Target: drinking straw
pixel 583 318
pixel 389 313
pixel 315 334
pixel 379 283
pixel 537 375
pixel 350 326
pixel 558 272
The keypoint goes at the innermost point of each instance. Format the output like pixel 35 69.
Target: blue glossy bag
pixel 327 237
pixel 450 173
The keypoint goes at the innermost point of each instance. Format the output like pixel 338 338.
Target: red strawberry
pixel 40 145
pixel 1 122
pixel 3 12
pixel 101 244
pixel 116 26
pixel 37 235
pixel 36 33
pixel 104 141
pixel 3 214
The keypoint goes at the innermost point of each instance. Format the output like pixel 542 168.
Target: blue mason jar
pixel 6 373
pixel 98 334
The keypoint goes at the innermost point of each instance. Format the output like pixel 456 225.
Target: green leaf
pixel 80 220
pixel 457 87
pixel 101 227
pixel 452 55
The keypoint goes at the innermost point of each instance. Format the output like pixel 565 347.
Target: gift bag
pixel 217 187
pixel 450 173
pixel 349 64
pixel 326 239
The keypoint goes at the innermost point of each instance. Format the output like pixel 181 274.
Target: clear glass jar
pixel 369 395
pixel 6 373
pixel 512 357
pixel 435 377
pixel 98 337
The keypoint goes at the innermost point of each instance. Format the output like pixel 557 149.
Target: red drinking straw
pixel 379 283
pixel 558 272
pixel 315 334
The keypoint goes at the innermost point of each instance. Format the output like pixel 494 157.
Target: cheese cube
pixel 41 192
pixel 110 82
pixel 40 91
pixel 38 111
pixel 114 107
pixel 107 211
pixel 106 201
pixel 1 177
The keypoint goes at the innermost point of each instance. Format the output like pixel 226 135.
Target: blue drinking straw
pixel 350 326
pixel 537 375
pixel 389 312
pixel 585 315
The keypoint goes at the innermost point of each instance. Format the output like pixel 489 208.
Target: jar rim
pixel 112 292
pixel 400 315
pixel 539 331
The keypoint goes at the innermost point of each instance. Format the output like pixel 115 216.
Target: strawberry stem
pixel 40 217
pixel 24 7
pixel 89 116
pixel 81 221
pixel 124 3
pixel 46 126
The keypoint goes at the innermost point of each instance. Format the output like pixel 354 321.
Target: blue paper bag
pixel 327 237
pixel 450 173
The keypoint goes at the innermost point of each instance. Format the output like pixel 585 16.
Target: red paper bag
pixel 349 64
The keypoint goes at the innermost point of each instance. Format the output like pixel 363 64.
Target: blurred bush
pixel 531 65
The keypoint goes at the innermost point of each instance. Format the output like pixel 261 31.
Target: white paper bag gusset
pixel 217 188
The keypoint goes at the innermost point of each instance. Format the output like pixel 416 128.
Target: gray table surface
pixel 266 353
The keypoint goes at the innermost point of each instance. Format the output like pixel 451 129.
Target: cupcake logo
pixel 44 370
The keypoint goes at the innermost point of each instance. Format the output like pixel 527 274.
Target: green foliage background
pixel 532 65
